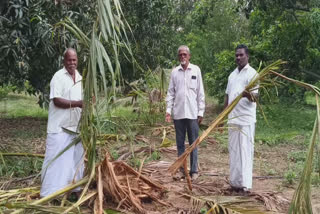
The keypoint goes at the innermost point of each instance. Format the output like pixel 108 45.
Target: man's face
pixel 241 58
pixel 71 61
pixel 184 57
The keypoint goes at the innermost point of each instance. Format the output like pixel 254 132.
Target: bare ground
pixel 28 135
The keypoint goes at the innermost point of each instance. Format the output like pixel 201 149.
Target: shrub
pixel 4 91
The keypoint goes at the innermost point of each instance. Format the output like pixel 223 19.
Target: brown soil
pixel 28 135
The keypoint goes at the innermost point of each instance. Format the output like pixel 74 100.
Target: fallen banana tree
pixel 301 202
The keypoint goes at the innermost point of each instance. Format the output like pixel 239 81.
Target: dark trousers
pixel 191 127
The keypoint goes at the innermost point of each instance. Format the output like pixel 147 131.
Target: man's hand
pixel 199 119
pixel 168 118
pixel 78 103
pixel 249 96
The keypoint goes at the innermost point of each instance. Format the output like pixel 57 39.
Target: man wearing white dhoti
pixel 64 114
pixel 241 121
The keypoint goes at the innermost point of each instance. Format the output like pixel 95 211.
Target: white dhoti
pixel 241 151
pixel 66 168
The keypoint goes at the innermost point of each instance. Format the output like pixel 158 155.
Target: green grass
pixel 21 105
pixel 287 124
pixel 19 166
pixel 21 112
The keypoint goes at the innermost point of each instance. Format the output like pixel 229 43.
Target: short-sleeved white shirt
pixel 185 96
pixel 62 86
pixel 244 112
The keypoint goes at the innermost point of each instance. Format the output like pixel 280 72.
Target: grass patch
pixel 287 124
pixel 127 118
pixel 19 166
pixel 21 105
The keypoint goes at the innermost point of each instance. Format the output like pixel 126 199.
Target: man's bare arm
pixel 64 103
pixel 226 100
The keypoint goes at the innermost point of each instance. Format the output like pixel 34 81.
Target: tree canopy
pixel 32 45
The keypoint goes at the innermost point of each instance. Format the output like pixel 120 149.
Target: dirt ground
pixel 269 193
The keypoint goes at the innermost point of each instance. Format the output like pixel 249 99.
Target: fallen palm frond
pixel 215 208
pixel 156 170
pixel 218 209
pixel 37 208
pixel 141 138
pixel 301 201
pixel 157 131
pixel 47 198
pixel 171 149
pixel 18 194
pixel 79 202
pixel 127 187
pixel 272 200
pixel 258 79
pixel 140 150
pixel 196 205
pixel 208 187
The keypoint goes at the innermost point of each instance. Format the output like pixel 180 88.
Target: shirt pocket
pixel 193 82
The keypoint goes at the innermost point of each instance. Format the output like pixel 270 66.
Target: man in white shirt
pixel 186 105
pixel 241 121
pixel 63 119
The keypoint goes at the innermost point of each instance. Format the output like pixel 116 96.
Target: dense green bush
pixel 217 80
pixel 4 91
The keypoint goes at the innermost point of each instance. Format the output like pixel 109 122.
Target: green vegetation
pixel 20 105
pixel 134 42
pixel 12 167
pixel 290 177
pixel 287 30
pixel 285 123
pixel 4 91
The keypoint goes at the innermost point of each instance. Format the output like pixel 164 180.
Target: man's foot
pixel 194 176
pixel 179 175
pixel 246 191
pixel 241 190
pixel 236 189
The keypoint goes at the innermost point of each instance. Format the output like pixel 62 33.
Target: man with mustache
pixel 186 105
pixel 63 119
pixel 241 121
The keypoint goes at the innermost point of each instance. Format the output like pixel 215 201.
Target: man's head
pixel 70 60
pixel 242 56
pixel 184 55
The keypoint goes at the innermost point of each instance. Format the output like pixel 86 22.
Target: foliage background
pixel 32 45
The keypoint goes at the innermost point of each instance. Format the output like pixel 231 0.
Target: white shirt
pixel 185 97
pixel 62 86
pixel 244 112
